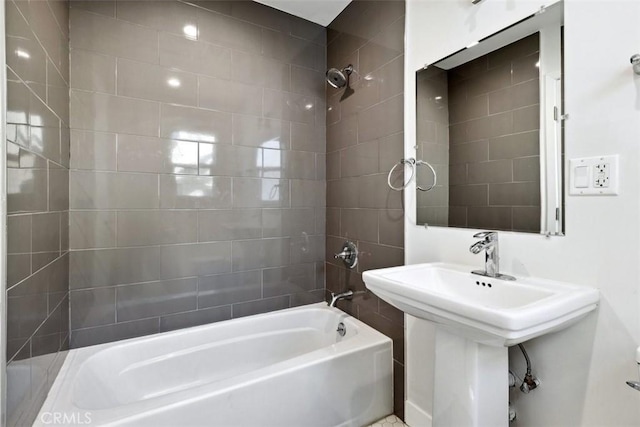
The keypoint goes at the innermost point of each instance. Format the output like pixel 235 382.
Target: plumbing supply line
pixel 526 357
pixel 530 382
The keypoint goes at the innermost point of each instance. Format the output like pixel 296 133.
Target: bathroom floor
pixel 390 421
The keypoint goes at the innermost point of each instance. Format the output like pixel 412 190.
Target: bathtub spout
pixel 337 297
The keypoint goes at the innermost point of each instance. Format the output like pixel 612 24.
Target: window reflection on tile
pixel 17 103
pixel 26 190
pixel 194 192
pixel 272 163
pixel 148 154
pixel 192 124
pixel 230 160
pixel 18 134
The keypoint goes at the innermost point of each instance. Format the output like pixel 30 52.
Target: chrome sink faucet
pixel 489 244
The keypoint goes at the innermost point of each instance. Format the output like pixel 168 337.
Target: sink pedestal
pixel 471 384
pixel 476 319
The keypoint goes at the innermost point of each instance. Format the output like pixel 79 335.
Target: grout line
pixel 115 304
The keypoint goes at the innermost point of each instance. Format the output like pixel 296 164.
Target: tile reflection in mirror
pixel 478 123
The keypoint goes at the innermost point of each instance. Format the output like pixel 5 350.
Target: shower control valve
pixel 349 254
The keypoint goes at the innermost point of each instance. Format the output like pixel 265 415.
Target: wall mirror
pixel 490 121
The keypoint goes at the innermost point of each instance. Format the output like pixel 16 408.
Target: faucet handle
pixel 349 254
pixel 485 235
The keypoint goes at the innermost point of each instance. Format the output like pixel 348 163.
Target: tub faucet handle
pixel 343 255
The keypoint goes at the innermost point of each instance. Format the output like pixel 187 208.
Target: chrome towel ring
pixel 413 163
pixel 433 171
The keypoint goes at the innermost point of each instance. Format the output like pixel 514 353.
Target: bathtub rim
pixel 240 320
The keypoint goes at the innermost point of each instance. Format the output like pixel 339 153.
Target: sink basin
pixel 482 309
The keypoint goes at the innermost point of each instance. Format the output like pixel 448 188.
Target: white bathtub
pixel 286 368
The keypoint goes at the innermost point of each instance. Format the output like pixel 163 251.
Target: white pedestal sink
pixel 476 319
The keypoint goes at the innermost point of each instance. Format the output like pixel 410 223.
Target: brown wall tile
pixel 113 332
pixel 499 218
pixel 469 195
pixel 206 160
pixel 364 140
pixel 526 169
pixel 485 172
pixel 515 194
pixel 194 318
pixel 526 218
pixel 512 146
pixel 144 300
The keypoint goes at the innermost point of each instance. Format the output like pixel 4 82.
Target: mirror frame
pixel 549 22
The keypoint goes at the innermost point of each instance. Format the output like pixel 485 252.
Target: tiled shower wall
pixel 197 180
pixel 364 140
pixel 37 63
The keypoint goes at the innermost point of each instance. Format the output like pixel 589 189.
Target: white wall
pixel 583 368
pixel 3 222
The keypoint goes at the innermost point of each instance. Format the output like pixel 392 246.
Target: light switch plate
pixel 594 176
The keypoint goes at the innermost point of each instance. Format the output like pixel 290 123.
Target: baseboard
pixel 414 416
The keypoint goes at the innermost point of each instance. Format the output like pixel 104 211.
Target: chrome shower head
pixel 339 78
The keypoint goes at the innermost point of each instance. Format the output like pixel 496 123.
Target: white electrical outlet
pixel 594 176
pixel 601 175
